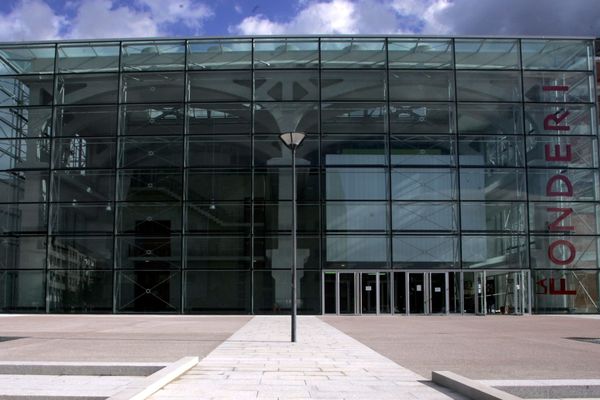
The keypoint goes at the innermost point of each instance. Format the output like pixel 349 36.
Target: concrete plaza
pixel 336 357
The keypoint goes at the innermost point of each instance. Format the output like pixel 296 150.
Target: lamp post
pixel 292 141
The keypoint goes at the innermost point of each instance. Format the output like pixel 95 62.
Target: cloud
pixel 30 20
pixel 93 19
pixel 436 17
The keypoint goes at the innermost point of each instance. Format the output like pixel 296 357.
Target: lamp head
pixel 292 140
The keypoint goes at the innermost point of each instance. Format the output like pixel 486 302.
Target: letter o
pixel 558 261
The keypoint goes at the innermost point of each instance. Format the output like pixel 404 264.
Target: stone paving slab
pixel 259 362
pixel 63 385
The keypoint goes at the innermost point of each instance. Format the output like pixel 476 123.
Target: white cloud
pixel 91 19
pixel 461 17
pixel 30 20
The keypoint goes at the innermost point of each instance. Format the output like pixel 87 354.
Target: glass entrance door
pixel 505 292
pixel 347 293
pixel 427 292
pixel 368 292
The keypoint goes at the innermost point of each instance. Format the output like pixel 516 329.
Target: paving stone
pixel 259 362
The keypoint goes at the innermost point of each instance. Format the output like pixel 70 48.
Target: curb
pixel 79 368
pixel 470 388
pixel 144 389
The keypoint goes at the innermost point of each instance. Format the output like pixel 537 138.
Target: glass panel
pixel 219 54
pixel 492 151
pixel 353 53
pixel 83 253
pixel 420 216
pixel 353 118
pixel 270 151
pixel 330 293
pixel 82 152
pixel 26 59
pixel 492 184
pixel 26 90
pixel 270 218
pixel 286 85
pixel 148 291
pixel 286 53
pixel 349 216
pixel 219 86
pixel 347 293
pixel 437 293
pixel 150 185
pixel 487 53
pixel 276 184
pixel 154 119
pixel 17 123
pixel 88 57
pixel 570 292
pixel 22 252
pixel 424 184
pixel 219 151
pixel 275 252
pixel 86 121
pixel 73 218
pixel 353 150
pixel 425 252
pixel 272 292
pixel 562 151
pixel 564 252
pixel 24 186
pixel 87 88
pixel 148 252
pixel 353 85
pixel 218 252
pixel 147 151
pixel 23 218
pixel 488 86
pixel 422 53
pixel 152 56
pixel 399 292
pixel 568 119
pixel 203 185
pixel 557 54
pixel 421 85
pixel 22 291
pixel 422 118
pixel 563 216
pixel 416 294
pixel 423 150
pixel 83 186
pixel 24 154
pixel 562 184
pixel 355 184
pixel 218 217
pixel 491 119
pixel 356 252
pixel 494 252
pixel 149 218
pixel 493 217
pixel 368 292
pixel 80 291
pixel 286 117
pixel 166 87
pixel 217 292
pixel 219 118
pixel 558 87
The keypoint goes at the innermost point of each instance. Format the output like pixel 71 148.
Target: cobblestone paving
pixel 259 362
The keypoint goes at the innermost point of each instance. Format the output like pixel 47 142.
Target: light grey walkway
pixel 259 362
pixel 62 385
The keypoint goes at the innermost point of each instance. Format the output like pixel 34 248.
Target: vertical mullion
pixel 184 183
pixel 252 180
pixel 116 175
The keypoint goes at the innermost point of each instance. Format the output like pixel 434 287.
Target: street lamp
pixel 292 141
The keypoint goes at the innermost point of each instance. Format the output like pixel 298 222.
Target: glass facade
pixel 438 175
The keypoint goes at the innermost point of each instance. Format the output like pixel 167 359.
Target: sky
pixel 28 20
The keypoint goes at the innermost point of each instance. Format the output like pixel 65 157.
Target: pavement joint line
pixel 472 389
pixel 144 389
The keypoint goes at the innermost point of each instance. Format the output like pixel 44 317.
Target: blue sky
pixel 86 19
